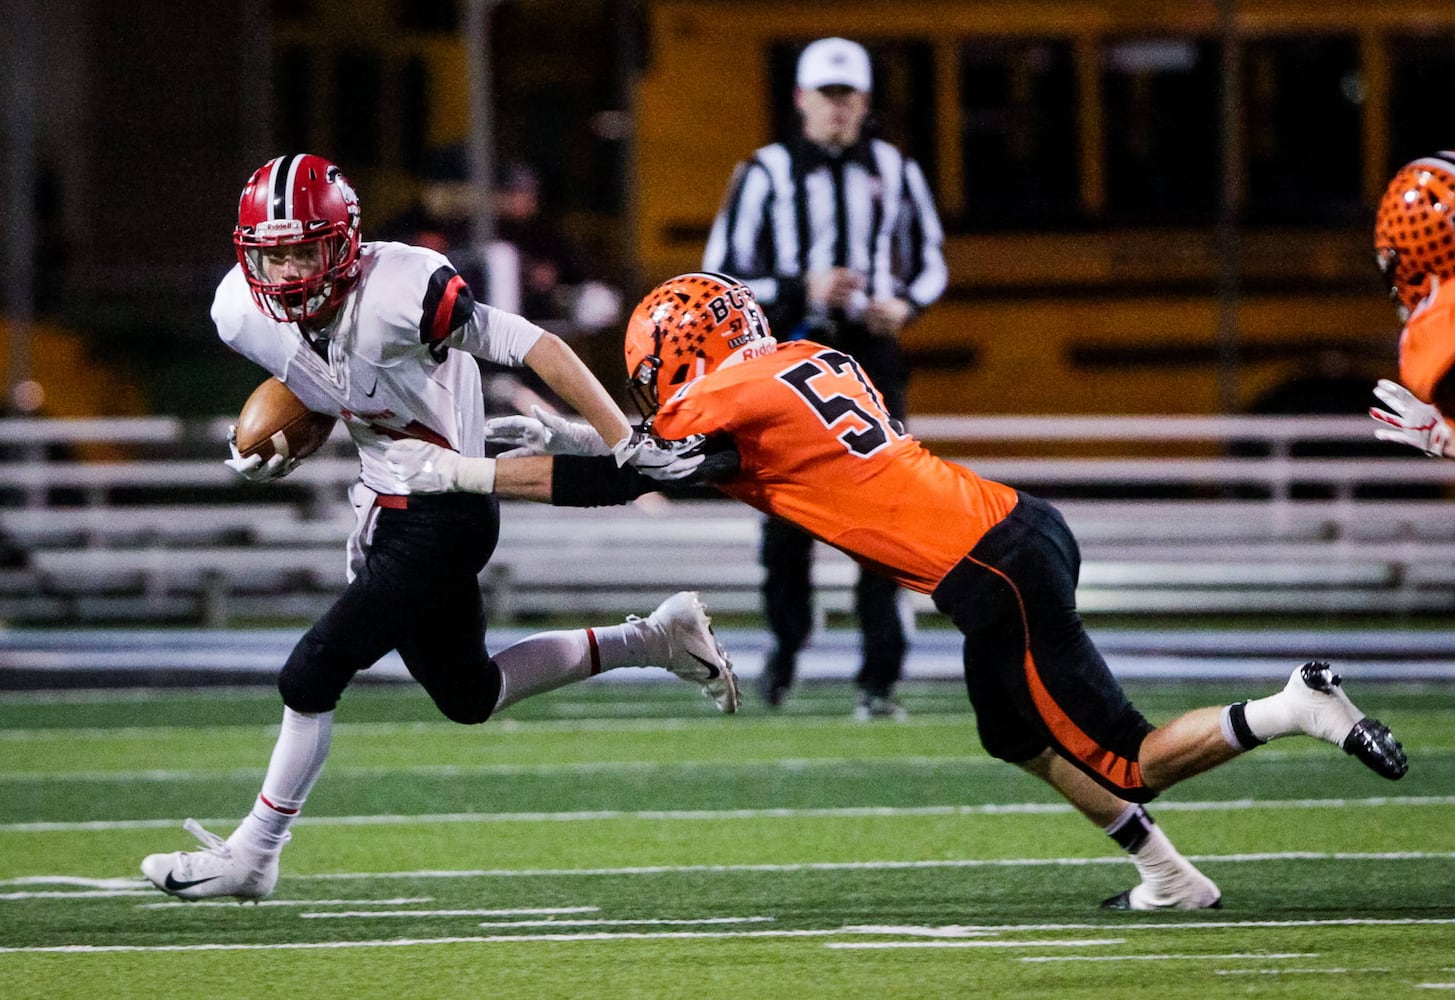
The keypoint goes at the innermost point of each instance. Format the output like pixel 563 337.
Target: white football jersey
pixel 390 371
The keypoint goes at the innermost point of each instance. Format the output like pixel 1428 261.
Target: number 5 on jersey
pixel 836 388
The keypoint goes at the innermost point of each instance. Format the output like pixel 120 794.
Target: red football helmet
pixel 686 327
pixel 298 201
pixel 1414 232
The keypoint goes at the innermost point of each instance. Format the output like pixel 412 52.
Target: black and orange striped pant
pixel 1034 677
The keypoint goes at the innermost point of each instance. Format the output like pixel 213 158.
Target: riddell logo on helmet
pixel 280 227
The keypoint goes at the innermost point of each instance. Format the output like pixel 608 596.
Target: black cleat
pixel 1376 748
pixel 1323 710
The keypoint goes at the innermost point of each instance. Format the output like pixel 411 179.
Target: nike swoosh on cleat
pixel 172 885
pixel 713 672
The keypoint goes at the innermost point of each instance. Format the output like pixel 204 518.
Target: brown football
pixel 274 420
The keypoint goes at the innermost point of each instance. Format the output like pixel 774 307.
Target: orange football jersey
pixel 1427 346
pixel 819 450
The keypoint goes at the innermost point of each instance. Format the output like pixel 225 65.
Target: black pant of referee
pixel 787 558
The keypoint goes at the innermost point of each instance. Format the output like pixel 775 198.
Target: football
pixel 274 421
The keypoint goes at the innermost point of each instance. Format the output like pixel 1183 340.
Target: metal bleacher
pixel 1180 516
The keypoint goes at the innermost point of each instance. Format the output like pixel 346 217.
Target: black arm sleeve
pixel 591 481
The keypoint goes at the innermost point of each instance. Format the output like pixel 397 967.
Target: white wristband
pixel 475 475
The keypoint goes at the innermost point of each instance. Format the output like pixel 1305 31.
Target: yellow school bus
pixel 1102 259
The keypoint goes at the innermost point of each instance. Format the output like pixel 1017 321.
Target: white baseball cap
pixel 831 62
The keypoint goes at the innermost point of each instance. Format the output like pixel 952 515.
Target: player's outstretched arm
pixel 1411 421
pixel 552 434
pixel 560 480
pixel 567 375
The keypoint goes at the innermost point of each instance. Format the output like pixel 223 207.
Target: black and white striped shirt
pixel 794 209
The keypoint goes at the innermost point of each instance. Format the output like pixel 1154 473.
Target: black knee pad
pixel 469 702
pixel 467 713
pixel 1012 747
pixel 307 683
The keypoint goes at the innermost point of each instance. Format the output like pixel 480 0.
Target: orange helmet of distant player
pixel 686 327
pixel 1414 232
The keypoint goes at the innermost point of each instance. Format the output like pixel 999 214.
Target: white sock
pixel 1271 717
pixel 1161 866
pixel 548 660
pixel 296 763
pixel 1157 860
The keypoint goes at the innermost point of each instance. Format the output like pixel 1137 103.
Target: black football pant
pixel 418 592
pixel 1033 675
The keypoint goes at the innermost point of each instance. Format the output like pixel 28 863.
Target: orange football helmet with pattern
pixel 686 327
pixel 1414 231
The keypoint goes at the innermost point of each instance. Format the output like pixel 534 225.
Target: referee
pixel 838 237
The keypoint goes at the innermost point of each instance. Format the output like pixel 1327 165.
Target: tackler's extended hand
pixel 664 461
pixel 253 468
pixel 1410 420
pixel 545 433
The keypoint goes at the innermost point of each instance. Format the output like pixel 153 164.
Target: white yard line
pixel 1251 956
pixel 500 770
pixel 76 894
pixel 177 904
pixel 719 815
pixel 826 866
pixel 641 922
pixel 1333 971
pixel 529 911
pixel 568 768
pixel 386 729
pixel 1068 943
pixel 600 936
pixel 416 942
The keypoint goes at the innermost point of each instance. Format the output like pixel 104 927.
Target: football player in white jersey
pixel 381 334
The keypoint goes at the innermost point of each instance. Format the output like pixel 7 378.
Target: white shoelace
pixel 211 842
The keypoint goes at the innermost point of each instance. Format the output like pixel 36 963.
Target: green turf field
pixel 623 840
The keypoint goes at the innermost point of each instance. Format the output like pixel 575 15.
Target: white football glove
pixel 546 433
pixel 664 461
pixel 253 468
pixel 421 467
pixel 1412 421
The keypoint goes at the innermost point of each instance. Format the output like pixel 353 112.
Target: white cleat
pixel 219 869
pixel 1191 890
pixel 1323 710
pixel 690 649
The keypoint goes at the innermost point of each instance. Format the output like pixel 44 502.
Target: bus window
pixel 1422 94
pixel 1020 159
pixel 1301 111
pixel 1163 145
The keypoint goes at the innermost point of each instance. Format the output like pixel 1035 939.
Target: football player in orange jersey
pixel 1414 248
pixel 815 445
